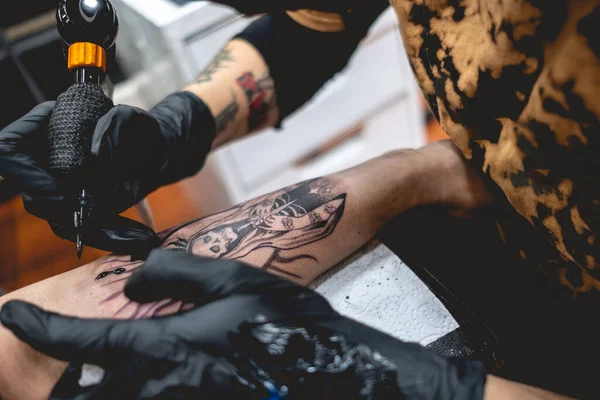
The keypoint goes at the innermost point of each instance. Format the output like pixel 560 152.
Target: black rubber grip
pixel 72 124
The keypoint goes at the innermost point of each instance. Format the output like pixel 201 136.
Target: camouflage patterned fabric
pixel 516 85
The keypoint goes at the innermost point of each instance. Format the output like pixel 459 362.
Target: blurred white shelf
pixel 165 46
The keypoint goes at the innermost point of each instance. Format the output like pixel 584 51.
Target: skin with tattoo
pixel 223 57
pixel 239 90
pixel 297 232
pixel 270 231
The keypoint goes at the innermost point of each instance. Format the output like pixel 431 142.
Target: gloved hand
pixel 251 335
pixel 23 149
pixel 134 153
pixel 23 162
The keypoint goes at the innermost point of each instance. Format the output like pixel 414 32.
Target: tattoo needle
pixel 77 225
pixel 79 246
pixel 78 222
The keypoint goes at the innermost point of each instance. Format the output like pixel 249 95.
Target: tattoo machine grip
pixel 88 29
pixel 72 124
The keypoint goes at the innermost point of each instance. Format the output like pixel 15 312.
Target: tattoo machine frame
pixel 89 30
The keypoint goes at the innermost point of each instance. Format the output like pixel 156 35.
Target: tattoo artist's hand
pixel 23 165
pixel 251 335
pixel 134 152
pixel 22 149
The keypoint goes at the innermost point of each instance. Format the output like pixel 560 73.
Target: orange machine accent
pixel 84 54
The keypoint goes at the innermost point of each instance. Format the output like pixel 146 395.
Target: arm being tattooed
pixel 282 222
pixel 297 232
pixel 277 232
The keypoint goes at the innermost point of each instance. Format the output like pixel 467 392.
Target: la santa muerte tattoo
pixel 281 221
pixel 274 228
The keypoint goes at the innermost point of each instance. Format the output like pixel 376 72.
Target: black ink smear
pixel 117 271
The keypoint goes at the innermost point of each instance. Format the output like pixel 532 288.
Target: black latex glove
pixel 250 332
pixel 134 153
pixel 23 150
pixel 23 162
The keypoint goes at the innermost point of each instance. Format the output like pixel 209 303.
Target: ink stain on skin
pixel 117 271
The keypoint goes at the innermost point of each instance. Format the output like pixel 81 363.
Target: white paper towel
pixel 376 288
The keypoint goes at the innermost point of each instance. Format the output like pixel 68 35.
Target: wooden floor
pixel 30 252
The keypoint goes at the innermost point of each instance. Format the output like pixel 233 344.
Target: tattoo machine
pixel 88 29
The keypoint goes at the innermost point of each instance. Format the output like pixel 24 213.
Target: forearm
pixel 330 218
pixel 277 64
pixel 501 389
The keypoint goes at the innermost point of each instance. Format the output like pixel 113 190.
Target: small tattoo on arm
pixel 216 64
pixel 260 101
pixel 130 309
pixel 228 114
pixel 117 271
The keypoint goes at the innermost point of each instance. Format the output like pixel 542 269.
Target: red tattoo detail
pixel 256 94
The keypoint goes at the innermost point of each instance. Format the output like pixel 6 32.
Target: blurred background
pixel 371 107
